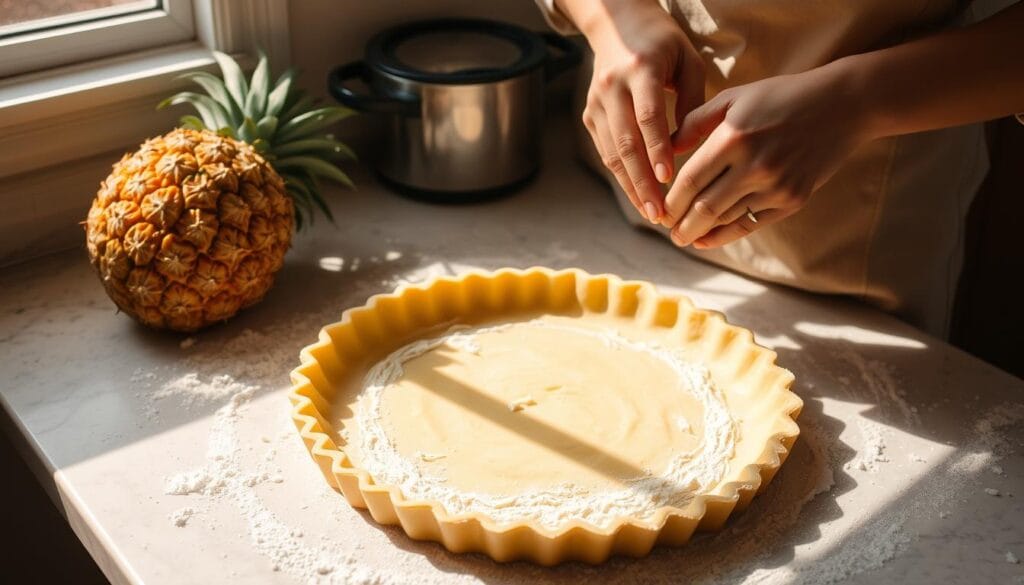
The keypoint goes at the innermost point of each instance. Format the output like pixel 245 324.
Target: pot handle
pixel 337 78
pixel 571 55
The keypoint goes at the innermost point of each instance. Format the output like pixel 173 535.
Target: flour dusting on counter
pixel 180 517
pixel 872 454
pixel 234 373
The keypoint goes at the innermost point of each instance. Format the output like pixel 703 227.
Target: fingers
pixel 709 205
pixel 689 86
pixel 701 122
pixel 754 202
pixel 703 168
pixel 649 107
pixel 596 123
pixel 740 228
pixel 629 142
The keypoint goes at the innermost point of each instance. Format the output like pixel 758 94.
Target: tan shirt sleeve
pixel 559 21
pixel 555 18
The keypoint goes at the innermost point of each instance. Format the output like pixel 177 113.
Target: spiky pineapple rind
pixel 189 229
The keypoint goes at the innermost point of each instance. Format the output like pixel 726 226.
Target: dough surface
pixel 537 407
pixel 549 419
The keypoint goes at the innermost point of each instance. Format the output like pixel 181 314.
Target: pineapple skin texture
pixel 189 229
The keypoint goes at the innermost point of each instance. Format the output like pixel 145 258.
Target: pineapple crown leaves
pixel 279 120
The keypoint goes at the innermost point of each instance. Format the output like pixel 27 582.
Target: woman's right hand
pixel 639 51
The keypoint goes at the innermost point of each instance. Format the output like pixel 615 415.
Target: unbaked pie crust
pixel 543 415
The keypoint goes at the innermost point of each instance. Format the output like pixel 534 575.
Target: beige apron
pixel 888 227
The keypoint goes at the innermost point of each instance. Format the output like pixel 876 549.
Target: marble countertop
pixel 905 440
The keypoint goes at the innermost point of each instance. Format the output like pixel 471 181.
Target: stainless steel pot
pixel 461 101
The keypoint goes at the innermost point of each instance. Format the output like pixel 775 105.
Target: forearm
pixel 952 78
pixel 589 16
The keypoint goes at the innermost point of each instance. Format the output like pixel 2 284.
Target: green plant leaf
pixel 301 196
pixel 292 181
pixel 259 87
pixel 191 122
pixel 209 110
pixel 319 201
pixel 321 147
pixel 313 187
pixel 266 128
pixel 247 130
pixel 316 167
pixel 279 95
pixel 234 79
pixel 312 122
pixel 295 103
pixel 214 86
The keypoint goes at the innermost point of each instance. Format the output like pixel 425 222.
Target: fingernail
pixel 661 173
pixel 676 239
pixel 652 211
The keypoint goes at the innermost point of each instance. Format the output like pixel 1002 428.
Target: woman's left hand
pixel 770 144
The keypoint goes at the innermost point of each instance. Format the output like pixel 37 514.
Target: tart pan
pixel 388 321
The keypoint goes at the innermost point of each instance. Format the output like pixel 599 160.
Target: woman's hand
pixel 770 144
pixel 639 52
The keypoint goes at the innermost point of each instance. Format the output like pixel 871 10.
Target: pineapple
pixel 191 227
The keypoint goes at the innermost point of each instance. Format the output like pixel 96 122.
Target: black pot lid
pixel 456 51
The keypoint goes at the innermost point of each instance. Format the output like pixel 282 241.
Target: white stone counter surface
pixel 175 459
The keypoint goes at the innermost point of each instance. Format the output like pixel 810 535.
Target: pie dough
pixel 515 431
pixel 547 420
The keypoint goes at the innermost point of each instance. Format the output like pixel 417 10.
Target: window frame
pixel 38 110
pixel 99 36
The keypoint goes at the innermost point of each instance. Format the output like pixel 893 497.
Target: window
pixel 78 83
pixel 41 34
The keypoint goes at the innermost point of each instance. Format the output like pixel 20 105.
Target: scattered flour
pixel 887 540
pixel 996 469
pixel 199 481
pixel 917 458
pixel 1012 558
pixel 231 374
pixel 873 452
pixel 992 492
pixel 682 424
pixel 521 403
pixel 429 457
pixel 194 390
pixel 989 426
pixel 879 381
pixel 143 376
pixel 180 517
pixel 224 478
